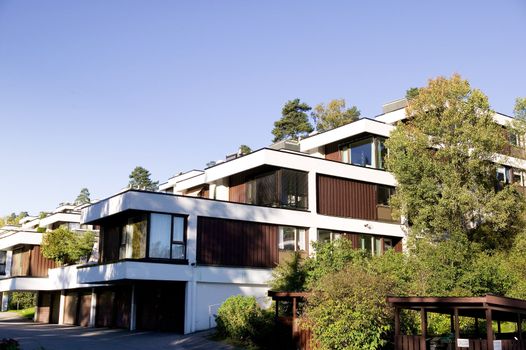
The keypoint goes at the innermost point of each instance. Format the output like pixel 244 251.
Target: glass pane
pixel 160 230
pixel 178 251
pixel 388 244
pixel 345 154
pixel 366 243
pixel 381 153
pixel 377 246
pixel 266 192
pixel 137 237
pixel 293 189
pixel 178 229
pixel 324 236
pixel 361 152
pixel 287 238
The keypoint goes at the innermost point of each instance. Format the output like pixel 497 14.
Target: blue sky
pixel 90 89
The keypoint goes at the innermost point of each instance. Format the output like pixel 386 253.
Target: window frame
pixel 298 231
pixel 171 242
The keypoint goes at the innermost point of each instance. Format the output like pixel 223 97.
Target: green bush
pixel 22 300
pixel 9 344
pixel 241 319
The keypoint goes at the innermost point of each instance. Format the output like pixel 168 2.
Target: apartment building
pixel 168 259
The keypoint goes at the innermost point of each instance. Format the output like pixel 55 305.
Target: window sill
pixel 142 260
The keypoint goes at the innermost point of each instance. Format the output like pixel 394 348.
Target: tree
pixel 140 179
pixel 333 115
pixel 348 310
pixel 442 158
pixel 411 93
pixel 83 197
pixel 67 247
pixel 289 275
pixel 520 108
pixel 294 122
pixel 244 149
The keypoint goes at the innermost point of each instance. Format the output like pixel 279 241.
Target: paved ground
pixel 33 336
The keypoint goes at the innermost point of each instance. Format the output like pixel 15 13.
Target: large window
pixel 383 194
pixel 3 258
pixel 326 236
pixel 133 238
pixel 368 152
pixel 167 236
pixel 374 244
pixel 283 188
pixel 291 238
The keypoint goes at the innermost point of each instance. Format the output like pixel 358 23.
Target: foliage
pixel 333 115
pixel 67 247
pixel 331 257
pixel 83 197
pixel 140 179
pixel 13 218
pixel 348 310
pixel 294 122
pixel 9 344
pixel 22 300
pixel 520 108
pixel 442 160
pixel 241 319
pixel 411 93
pixel 27 313
pixel 244 149
pixel 289 275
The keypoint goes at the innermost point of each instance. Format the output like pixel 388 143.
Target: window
pixel 383 194
pixel 133 238
pixel 3 259
pixel 328 236
pixel 368 152
pixel 371 244
pixel 280 188
pixel 167 237
pixel 291 238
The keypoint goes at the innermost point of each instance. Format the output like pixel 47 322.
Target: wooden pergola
pixel 489 308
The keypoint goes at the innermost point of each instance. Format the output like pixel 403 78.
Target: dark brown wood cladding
pixel 346 198
pixel 43 307
pixel 113 307
pixel 236 243
pixel 39 265
pixel 84 309
pixel 237 189
pixel 160 306
pixel 55 307
pixel 332 152
pixel 29 261
pixel 70 308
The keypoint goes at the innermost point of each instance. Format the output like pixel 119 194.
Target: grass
pixel 27 313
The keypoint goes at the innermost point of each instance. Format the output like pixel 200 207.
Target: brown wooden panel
pixel 43 307
pixel 55 307
pixel 236 243
pixel 104 313
pixel 237 189
pixel 122 305
pixel 39 265
pixel 332 152
pixel 70 308
pixel 84 309
pixel 346 198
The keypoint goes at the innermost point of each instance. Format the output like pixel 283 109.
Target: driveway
pixel 33 336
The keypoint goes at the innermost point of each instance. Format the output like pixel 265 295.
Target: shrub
pixel 348 310
pixel 67 247
pixel 9 344
pixel 241 319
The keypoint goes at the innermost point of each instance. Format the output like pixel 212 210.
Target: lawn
pixel 27 313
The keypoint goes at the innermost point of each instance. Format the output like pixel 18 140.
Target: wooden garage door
pixel 160 306
pixel 43 307
pixel 70 308
pixel 84 309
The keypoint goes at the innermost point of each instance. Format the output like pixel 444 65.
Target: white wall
pixel 210 296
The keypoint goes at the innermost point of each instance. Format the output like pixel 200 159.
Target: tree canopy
pixel 140 179
pixel 294 122
pixel 83 197
pixel 244 149
pixel 442 158
pixel 520 108
pixel 333 115
pixel 67 247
